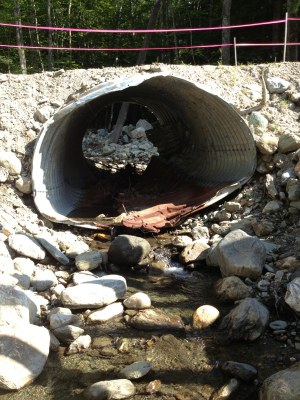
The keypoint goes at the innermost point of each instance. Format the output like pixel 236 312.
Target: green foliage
pixel 132 14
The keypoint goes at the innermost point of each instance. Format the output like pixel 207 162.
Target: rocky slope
pixel 268 208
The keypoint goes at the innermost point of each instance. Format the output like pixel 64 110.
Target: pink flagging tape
pixel 265 44
pixel 131 31
pixel 114 49
pixel 294 19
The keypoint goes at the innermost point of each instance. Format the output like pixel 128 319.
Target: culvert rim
pixel 219 153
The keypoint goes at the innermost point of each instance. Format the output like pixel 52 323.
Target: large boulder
pixel 23 353
pixel 241 255
pixel 128 250
pixel 95 293
pixel 246 321
pixel 284 385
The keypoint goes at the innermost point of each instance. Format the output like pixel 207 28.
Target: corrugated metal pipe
pixel 213 155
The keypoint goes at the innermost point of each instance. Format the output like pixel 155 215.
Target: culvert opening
pixel 202 150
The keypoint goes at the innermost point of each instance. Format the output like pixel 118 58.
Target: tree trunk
pixel 293 7
pixel 17 13
pixel 116 133
pixel 49 35
pixel 34 17
pixel 226 32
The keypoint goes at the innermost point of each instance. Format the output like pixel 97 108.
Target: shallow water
pixel 186 362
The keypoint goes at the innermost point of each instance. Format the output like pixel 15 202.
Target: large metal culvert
pixel 214 154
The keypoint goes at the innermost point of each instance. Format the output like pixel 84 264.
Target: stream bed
pixel 185 364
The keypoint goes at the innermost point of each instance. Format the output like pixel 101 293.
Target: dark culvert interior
pixel 205 152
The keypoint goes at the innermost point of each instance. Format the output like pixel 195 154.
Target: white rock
pixel 23 271
pixel 4 174
pixel 137 301
pixel 205 316
pixel 59 310
pixel 15 306
pixel 283 385
pixel 8 280
pixel 89 260
pixel 136 370
pixel 113 389
pixel 6 265
pixel 24 185
pixel 80 344
pixel 43 279
pixel 43 114
pixel 98 293
pixel 23 353
pixel 26 246
pixel 76 248
pixel 277 85
pixel 83 277
pixel 292 295
pixel 142 123
pixel 11 162
pixel 105 314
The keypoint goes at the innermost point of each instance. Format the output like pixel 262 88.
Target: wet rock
pixel 232 288
pixel 182 241
pixel 128 250
pixel 79 345
pixel 53 250
pixel 277 85
pixel 105 314
pixel 67 333
pixel 43 279
pixel 205 316
pixel 246 321
pixel 11 162
pixel 23 353
pixel 98 293
pixel 153 386
pixel 272 207
pixel 257 119
pixel 24 185
pixel 292 295
pixel 113 389
pixel 26 246
pixel 136 370
pixel 194 252
pixel 88 261
pixel 267 144
pixel 243 371
pixel 150 319
pixel 241 255
pixel 137 301
pixel 288 142
pixel 278 325
pixel 283 385
pixel 226 391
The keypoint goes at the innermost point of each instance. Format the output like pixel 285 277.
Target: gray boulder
pixel 284 385
pixel 241 255
pixel 246 321
pixel 128 250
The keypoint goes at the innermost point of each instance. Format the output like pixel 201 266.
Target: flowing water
pixel 186 362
